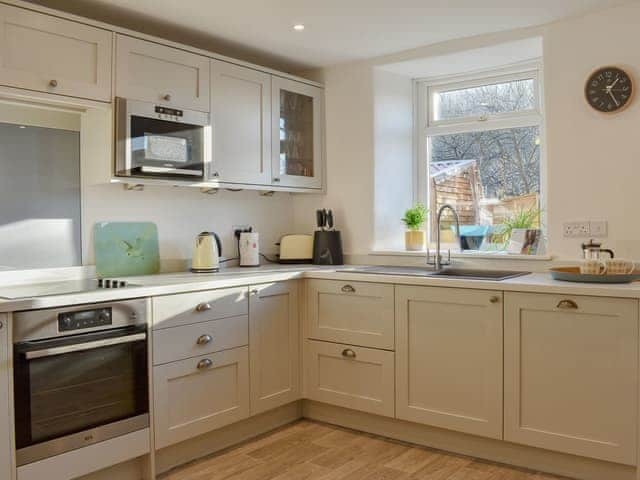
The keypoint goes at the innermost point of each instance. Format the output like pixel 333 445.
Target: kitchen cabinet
pixel 274 339
pixel 197 395
pixel 48 54
pixel 449 358
pixel 571 374
pixel 355 313
pixel 160 74
pixel 241 119
pixel 349 376
pixel 178 343
pixel 6 457
pixel 297 133
pixel 196 307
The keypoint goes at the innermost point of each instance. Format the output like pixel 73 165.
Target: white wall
pixel 593 161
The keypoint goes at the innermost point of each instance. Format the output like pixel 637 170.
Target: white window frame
pixel 428 127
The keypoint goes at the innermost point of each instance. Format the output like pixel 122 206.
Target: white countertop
pixel 171 283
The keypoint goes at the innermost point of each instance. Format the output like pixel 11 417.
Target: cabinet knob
pixel 204 363
pixel 348 289
pixel 53 83
pixel 216 174
pixel 203 307
pixel 166 97
pixel 253 291
pixel 204 339
pixel 348 353
pixel 494 299
pixel 1 325
pixel 276 179
pixel 567 305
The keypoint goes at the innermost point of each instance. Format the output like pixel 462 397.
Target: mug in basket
pixel 618 266
pixel 593 267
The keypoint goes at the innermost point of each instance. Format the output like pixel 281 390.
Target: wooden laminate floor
pixel 308 450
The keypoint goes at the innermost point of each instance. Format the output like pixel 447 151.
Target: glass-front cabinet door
pixel 297 113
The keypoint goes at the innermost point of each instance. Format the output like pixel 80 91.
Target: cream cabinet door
pixel 356 313
pixel 449 358
pixel 349 376
pixel 49 54
pixel 156 73
pixel 297 132
pixel 197 395
pixel 241 119
pixel 274 339
pixel 571 374
pixel 6 457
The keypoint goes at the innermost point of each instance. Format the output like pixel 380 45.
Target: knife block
pixel 327 248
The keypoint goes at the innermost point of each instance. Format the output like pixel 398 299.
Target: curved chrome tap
pixel 438 260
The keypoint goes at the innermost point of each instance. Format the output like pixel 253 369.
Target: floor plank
pixel 308 450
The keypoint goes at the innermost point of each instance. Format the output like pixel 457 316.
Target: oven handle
pixel 79 347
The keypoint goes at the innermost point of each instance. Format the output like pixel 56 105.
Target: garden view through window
pixel 483 148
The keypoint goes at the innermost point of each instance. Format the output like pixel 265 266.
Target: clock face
pixel 609 89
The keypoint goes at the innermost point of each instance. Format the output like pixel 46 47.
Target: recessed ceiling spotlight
pixel 298 27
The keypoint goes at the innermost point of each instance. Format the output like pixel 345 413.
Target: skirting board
pixel 470 445
pixel 212 442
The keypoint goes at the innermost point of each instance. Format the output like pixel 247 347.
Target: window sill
pixel 468 255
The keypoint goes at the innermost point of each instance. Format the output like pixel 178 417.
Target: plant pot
pixel 415 240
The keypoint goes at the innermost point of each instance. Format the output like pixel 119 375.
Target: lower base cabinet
pixel 351 377
pixel 274 345
pixel 571 374
pixel 197 395
pixel 449 358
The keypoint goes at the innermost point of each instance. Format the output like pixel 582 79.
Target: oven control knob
pixel 67 321
pixel 103 318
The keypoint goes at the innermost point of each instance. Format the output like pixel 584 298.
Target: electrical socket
pixel 238 229
pixel 598 228
pixel 576 229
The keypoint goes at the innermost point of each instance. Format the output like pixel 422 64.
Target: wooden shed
pixel 456 182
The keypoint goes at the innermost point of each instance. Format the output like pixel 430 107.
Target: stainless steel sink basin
pixel 465 273
pixel 476 274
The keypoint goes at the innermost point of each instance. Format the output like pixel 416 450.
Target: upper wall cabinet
pixel 48 54
pixel 297 117
pixel 156 73
pixel 241 118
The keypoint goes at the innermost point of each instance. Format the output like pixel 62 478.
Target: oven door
pixel 161 142
pixel 80 389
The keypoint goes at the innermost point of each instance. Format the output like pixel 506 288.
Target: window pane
pixel 490 177
pixel 487 100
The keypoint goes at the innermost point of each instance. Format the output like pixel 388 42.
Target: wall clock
pixel 609 90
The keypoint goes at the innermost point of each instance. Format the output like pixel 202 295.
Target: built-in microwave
pixel 159 141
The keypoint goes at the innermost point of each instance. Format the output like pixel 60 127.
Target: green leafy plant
pixel 415 217
pixel 529 219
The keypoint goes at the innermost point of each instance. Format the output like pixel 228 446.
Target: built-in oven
pixel 80 377
pixel 160 141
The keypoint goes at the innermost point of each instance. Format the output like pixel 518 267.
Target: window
pixel 480 149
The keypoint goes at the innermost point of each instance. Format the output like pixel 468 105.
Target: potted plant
pixel 414 218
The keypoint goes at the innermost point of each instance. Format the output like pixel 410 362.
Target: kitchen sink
pixel 477 274
pixel 465 273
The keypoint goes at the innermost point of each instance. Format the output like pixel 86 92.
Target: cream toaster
pixel 296 249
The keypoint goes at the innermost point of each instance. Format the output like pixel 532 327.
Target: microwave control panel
pixel 79 320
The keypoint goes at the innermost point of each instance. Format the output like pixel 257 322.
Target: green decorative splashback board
pixel 126 249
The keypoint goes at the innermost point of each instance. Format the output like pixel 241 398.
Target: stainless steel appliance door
pixel 77 390
pixel 158 141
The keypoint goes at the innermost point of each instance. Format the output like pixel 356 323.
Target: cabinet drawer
pixel 571 374
pixel 49 54
pixel 195 396
pixel 356 313
pixel 187 308
pixel 156 73
pixel 351 377
pixel 177 343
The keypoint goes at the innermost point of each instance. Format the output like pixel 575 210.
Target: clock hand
pixel 614 99
pixel 613 84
